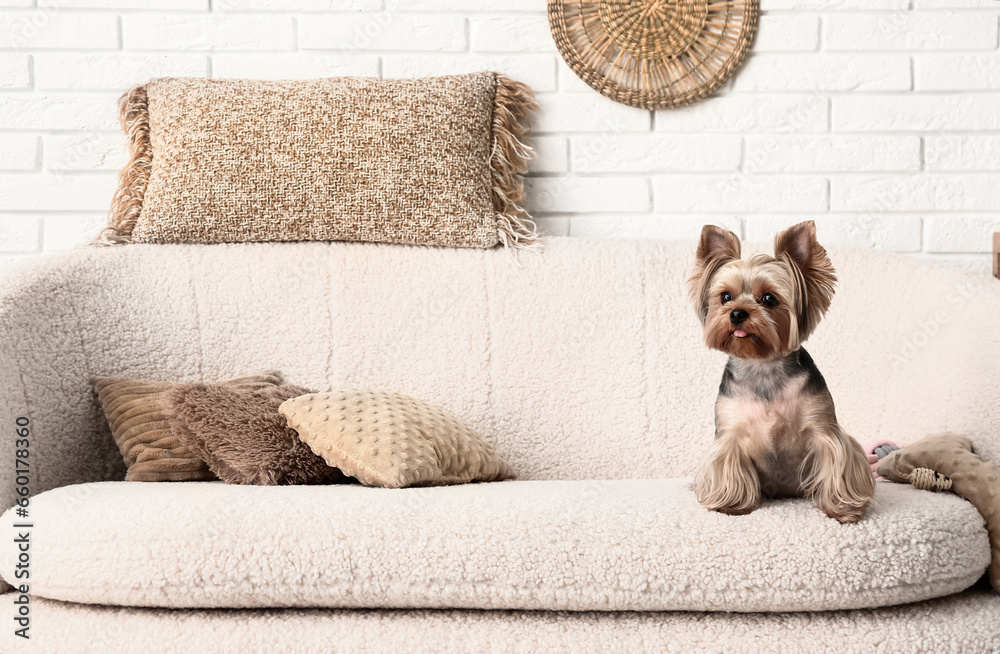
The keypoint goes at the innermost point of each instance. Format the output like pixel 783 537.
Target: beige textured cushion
pixel 435 161
pixel 136 413
pixel 391 440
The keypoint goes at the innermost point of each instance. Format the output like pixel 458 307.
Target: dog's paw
pixel 845 514
pixel 737 510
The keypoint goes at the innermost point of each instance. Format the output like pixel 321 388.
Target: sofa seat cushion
pixel 576 545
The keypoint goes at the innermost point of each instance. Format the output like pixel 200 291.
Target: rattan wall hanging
pixel 654 54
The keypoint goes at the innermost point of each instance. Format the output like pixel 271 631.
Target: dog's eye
pixel 727 297
pixel 769 300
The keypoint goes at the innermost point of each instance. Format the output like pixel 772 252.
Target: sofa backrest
pixel 586 362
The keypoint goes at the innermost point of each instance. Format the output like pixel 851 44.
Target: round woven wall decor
pixel 654 54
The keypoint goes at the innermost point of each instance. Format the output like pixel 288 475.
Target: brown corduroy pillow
pixel 433 161
pixel 242 437
pixel 392 440
pixel 135 412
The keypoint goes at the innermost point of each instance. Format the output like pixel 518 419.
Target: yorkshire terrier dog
pixel 776 431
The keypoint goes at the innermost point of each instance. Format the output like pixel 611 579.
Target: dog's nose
pixel 738 315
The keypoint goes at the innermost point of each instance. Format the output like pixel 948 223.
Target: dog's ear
pixel 799 244
pixel 716 247
pixel 716 242
pixel 812 272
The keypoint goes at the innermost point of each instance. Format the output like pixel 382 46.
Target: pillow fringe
pixel 133 109
pixel 509 162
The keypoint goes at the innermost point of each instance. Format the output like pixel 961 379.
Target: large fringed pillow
pixel 434 161
pixel 392 440
pixel 137 415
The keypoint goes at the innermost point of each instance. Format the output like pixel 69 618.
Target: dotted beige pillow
pixel 392 440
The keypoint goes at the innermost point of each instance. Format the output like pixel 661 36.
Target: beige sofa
pixel 584 367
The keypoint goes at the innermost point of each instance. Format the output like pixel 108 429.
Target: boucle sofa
pixel 584 368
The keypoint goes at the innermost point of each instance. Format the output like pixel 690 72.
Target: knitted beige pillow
pixel 392 440
pixel 436 161
pixel 136 410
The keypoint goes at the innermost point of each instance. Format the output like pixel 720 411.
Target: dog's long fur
pixel 776 430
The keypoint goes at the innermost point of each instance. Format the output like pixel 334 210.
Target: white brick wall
pixel 880 119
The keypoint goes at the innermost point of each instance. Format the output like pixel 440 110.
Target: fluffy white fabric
pixel 640 545
pixel 587 362
pixel 962 623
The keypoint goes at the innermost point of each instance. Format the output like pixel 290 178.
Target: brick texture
pixel 879 119
pixel 208 32
pixel 18 152
pixel 53 29
pixel 15 72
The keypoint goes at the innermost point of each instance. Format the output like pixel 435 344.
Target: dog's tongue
pixel 739 333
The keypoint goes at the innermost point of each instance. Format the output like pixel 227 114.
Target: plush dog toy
pixel 951 456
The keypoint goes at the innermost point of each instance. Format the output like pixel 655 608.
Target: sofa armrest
pixel 12 408
pixel 44 378
pixel 35 333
